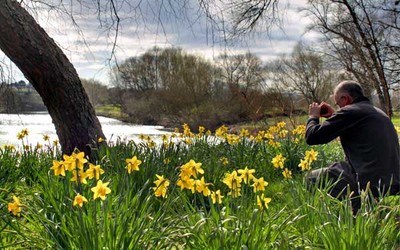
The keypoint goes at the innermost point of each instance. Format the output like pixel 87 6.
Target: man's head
pixel 346 91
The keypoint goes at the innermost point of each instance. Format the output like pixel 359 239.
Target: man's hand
pixel 314 110
pixel 326 110
pixel 320 110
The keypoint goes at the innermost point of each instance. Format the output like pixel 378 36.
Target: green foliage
pixel 132 217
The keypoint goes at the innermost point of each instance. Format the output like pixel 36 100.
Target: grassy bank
pixel 185 191
pixel 114 111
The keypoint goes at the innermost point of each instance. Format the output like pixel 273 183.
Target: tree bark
pixel 52 75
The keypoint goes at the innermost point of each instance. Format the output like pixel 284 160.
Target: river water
pixel 39 124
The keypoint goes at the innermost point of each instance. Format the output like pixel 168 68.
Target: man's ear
pixel 348 99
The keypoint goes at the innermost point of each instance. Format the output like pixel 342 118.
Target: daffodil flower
pixel 100 190
pixel 133 164
pixel 79 200
pixel 15 207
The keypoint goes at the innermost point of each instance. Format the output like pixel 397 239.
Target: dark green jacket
pixel 368 138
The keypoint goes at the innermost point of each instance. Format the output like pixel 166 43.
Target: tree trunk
pixel 53 76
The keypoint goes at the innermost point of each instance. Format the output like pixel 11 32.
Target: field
pixel 210 190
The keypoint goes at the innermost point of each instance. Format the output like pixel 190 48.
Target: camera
pixel 324 110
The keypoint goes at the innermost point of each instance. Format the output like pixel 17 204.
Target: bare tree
pixel 243 76
pixel 306 73
pixel 363 36
pixel 298 79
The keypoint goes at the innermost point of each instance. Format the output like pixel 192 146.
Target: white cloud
pixel 88 45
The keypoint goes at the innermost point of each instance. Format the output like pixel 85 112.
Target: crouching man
pixel 369 141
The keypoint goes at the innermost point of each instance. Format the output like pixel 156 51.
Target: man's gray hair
pixel 353 88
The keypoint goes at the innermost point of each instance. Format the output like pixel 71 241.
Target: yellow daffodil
pixel 201 131
pixel 9 147
pixel 186 130
pixel 188 141
pixel 311 155
pixel 185 182
pixel 202 186
pixel 283 133
pixel 259 184
pixel 221 131
pixel 304 165
pixel 262 201
pixel 269 136
pixel 273 130
pixel 58 167
pixel 75 160
pixel 25 132
pixel 216 197
pixel 94 171
pixel 46 137
pixel 133 164
pixel 299 130
pixel 287 174
pixel 224 160
pixel 274 143
pixel 100 190
pixel 15 207
pixel 161 186
pixel 82 176
pixel 191 168
pixel 244 133
pixel 281 125
pixel 232 180
pixel 20 136
pixel 79 200
pixel 232 139
pixel 151 144
pixel 278 161
pixel 259 138
pixel 80 159
pixel 235 192
pixel 246 174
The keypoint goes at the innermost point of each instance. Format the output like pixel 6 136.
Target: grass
pixel 137 215
pixel 109 111
pixel 396 121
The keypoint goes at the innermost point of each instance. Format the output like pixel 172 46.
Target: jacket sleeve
pixel 331 128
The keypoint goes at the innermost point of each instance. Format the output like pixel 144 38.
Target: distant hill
pixel 20 97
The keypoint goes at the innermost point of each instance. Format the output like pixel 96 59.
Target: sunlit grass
pixel 142 203
pixel 109 110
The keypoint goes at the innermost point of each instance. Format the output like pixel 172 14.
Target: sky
pixel 88 38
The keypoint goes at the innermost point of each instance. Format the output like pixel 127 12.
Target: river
pixel 39 124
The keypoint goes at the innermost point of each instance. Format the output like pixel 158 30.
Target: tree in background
pixel 243 76
pixel 306 73
pixel 363 36
pixel 98 93
pixel 163 82
pixel 188 88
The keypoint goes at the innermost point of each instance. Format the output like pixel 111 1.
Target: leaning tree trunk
pixel 52 75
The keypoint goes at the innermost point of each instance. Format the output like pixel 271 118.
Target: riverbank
pixel 252 126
